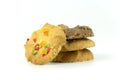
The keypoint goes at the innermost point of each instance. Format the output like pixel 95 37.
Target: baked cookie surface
pixel 77 32
pixel 44 44
pixel 73 45
pixel 63 26
pixel 74 56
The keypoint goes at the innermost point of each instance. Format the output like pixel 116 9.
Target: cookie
pixel 64 27
pixel 74 56
pixel 44 44
pixel 73 45
pixel 78 32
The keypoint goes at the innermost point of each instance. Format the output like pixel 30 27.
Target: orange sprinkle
pixel 48 50
pixel 46 33
pixel 34 40
pixel 43 55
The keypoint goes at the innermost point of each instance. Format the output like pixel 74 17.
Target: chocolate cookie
pixel 77 32
pixel 63 26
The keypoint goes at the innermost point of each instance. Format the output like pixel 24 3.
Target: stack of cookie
pixel 59 44
pixel 76 45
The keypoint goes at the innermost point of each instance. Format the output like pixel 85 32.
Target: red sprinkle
pixel 34 40
pixel 37 47
pixel 48 50
pixel 27 39
pixel 43 55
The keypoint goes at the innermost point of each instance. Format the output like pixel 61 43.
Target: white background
pixel 18 18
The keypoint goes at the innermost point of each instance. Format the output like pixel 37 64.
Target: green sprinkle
pixel 34 52
pixel 46 46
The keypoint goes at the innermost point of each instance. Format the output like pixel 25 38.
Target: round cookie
pixel 44 44
pixel 73 45
pixel 77 32
pixel 74 56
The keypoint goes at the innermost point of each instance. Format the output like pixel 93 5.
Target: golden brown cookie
pixel 74 56
pixel 73 45
pixel 44 44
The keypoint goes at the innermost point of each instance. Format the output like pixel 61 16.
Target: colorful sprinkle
pixel 44 29
pixel 46 46
pixel 43 55
pixel 46 33
pixel 27 39
pixel 37 47
pixel 48 50
pixel 34 40
pixel 34 52
pixel 42 44
pixel 44 51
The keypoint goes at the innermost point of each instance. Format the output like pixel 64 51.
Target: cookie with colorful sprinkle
pixel 74 56
pixel 44 44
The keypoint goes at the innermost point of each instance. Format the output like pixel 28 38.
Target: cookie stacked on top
pixel 76 45
pixel 59 44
